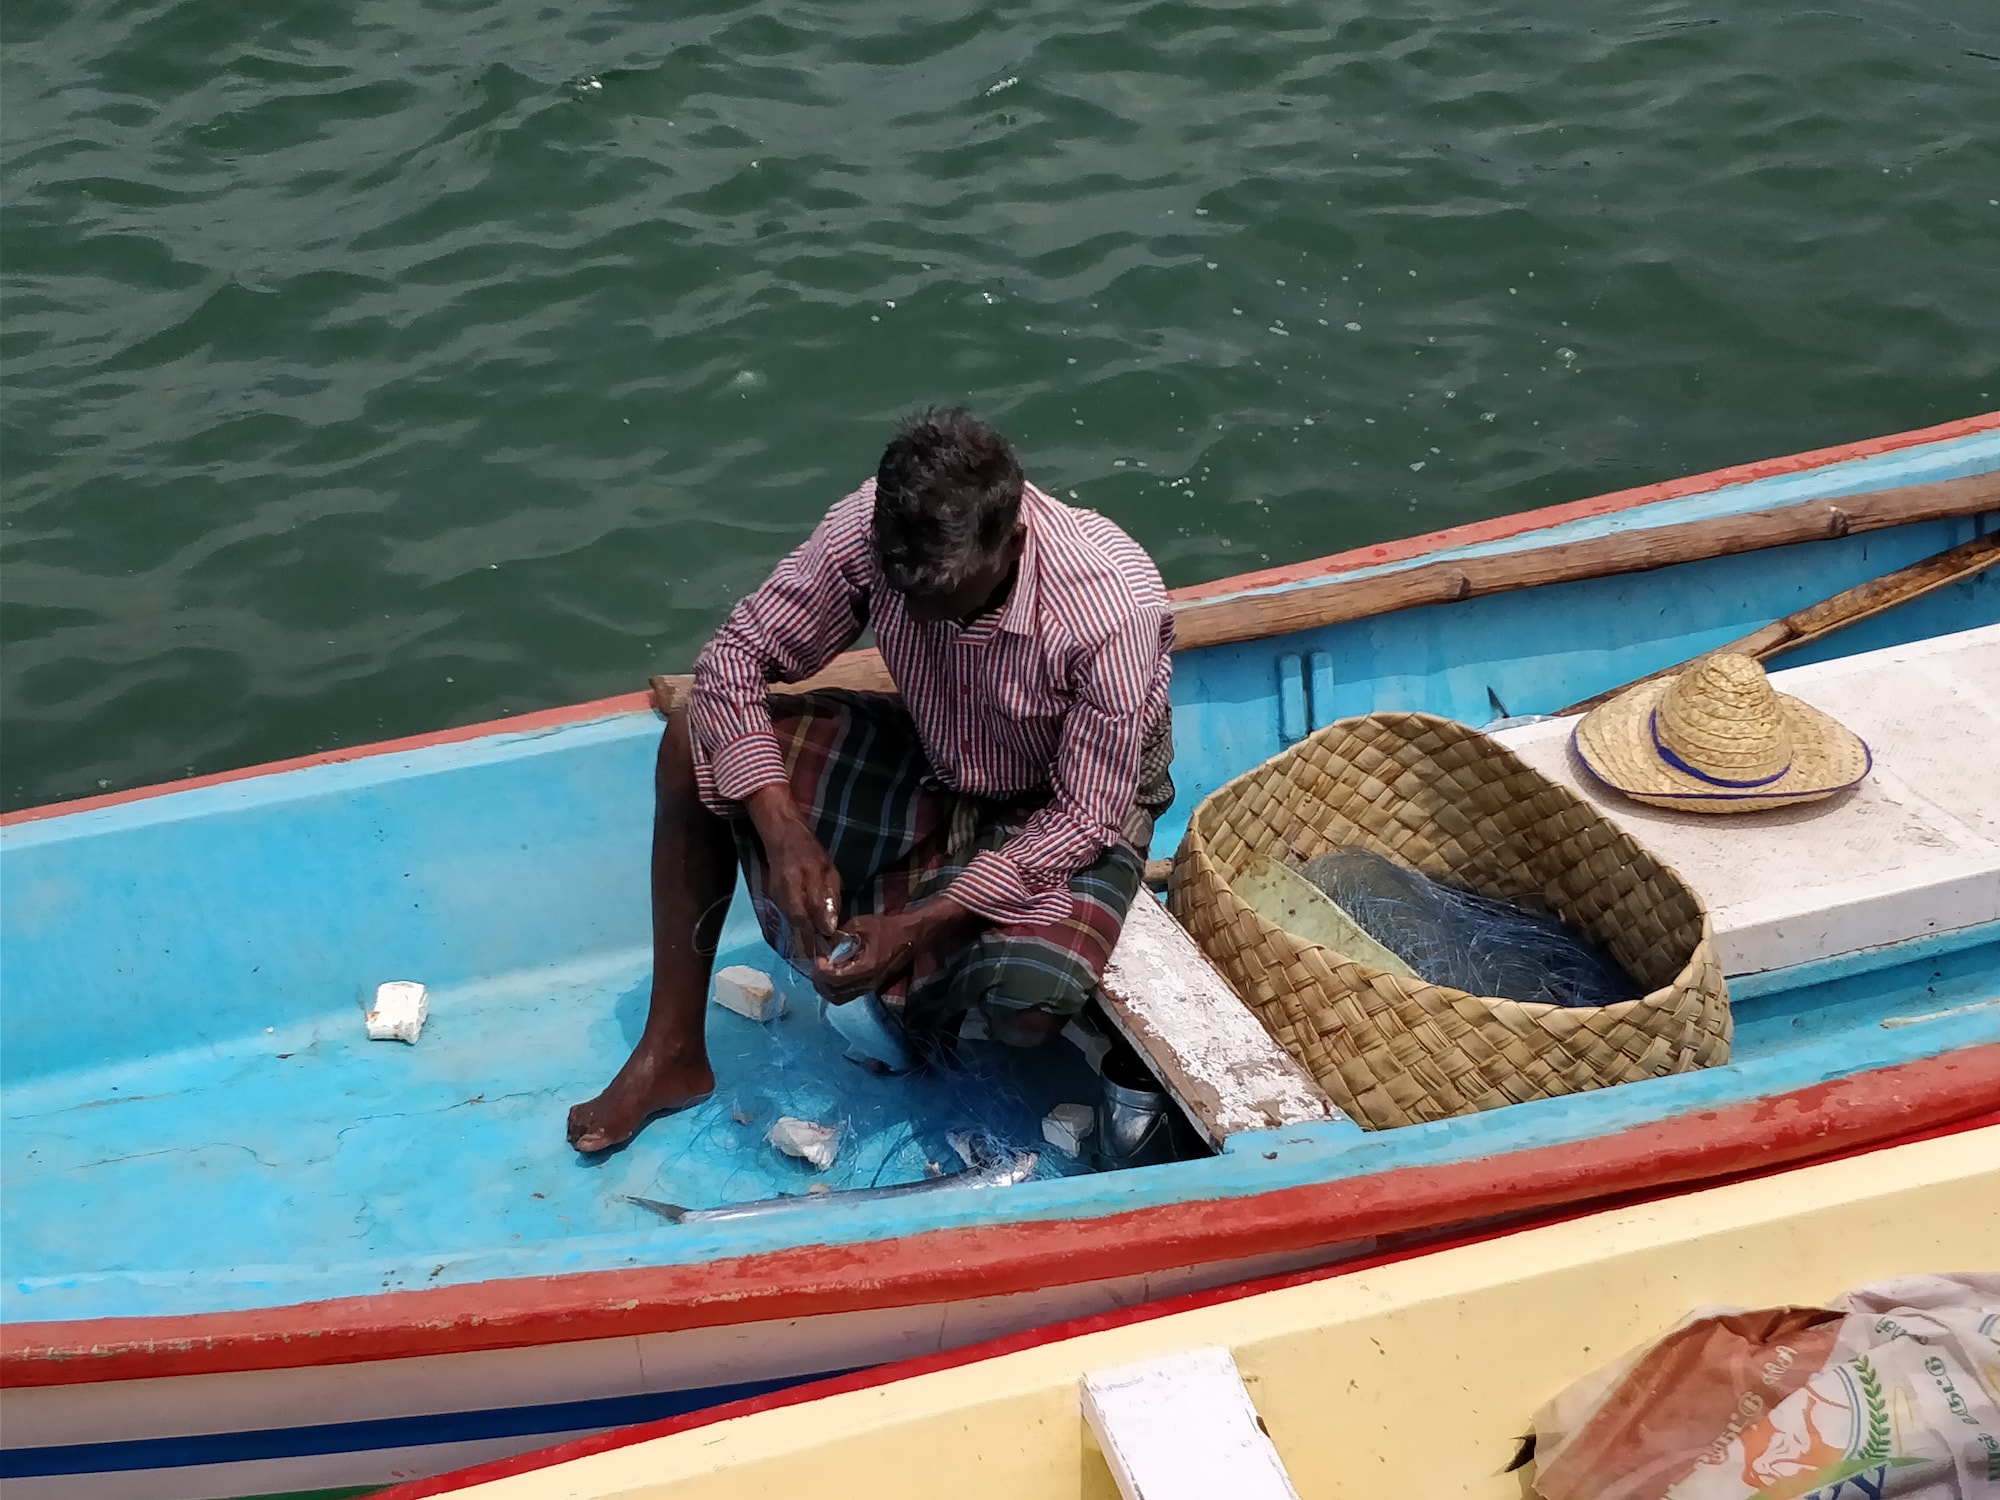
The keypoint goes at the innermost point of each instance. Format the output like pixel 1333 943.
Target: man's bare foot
pixel 654 1081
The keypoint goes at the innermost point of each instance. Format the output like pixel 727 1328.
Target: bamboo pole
pixel 1338 598
pixel 1848 607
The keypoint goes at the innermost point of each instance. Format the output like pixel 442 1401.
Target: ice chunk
pixel 749 992
pixel 399 1011
pixel 812 1143
pixel 1066 1126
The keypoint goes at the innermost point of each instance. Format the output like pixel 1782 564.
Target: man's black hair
pixel 947 497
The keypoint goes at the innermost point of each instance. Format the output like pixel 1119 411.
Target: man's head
pixel 948 527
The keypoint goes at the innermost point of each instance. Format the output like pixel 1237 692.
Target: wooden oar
pixel 1848 607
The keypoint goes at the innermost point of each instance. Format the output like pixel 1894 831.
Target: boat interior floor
pixel 396 1167
pixel 386 1155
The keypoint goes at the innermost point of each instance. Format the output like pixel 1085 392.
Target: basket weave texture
pixel 1464 809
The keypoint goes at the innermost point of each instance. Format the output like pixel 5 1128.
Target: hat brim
pixel 1615 743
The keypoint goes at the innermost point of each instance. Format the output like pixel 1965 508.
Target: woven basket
pixel 1461 808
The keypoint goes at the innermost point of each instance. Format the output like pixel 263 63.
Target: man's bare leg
pixel 694 872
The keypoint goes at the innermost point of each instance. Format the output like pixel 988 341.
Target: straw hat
pixel 1717 739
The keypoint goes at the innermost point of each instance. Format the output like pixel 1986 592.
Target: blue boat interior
pixel 195 1120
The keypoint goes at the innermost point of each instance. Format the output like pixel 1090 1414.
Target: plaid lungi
pixel 897 836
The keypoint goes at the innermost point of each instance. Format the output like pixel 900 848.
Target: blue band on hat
pixel 1653 727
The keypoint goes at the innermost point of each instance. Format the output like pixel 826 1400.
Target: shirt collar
pixel 1017 616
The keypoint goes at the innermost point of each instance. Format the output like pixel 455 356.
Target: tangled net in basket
pixel 1457 938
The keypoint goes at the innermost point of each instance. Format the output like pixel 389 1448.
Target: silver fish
pixel 988 1164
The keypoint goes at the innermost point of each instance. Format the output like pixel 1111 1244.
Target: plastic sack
pixel 1465 941
pixel 1893 1391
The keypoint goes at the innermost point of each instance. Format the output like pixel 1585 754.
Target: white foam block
pixel 399 1011
pixel 1066 1126
pixel 749 992
pixel 1182 1428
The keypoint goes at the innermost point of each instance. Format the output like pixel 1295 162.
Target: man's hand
pixel 886 947
pixel 802 879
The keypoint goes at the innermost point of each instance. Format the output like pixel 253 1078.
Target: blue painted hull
pixel 195 1124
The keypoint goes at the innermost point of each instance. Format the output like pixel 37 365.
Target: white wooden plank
pixel 1215 1057
pixel 1183 1428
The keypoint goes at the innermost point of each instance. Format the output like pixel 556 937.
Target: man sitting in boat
pixel 979 836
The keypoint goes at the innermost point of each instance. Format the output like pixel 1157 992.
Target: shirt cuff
pixel 746 766
pixel 993 887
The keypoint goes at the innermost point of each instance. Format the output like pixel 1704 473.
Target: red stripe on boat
pixel 949 1265
pixel 910 1369
pixel 1501 527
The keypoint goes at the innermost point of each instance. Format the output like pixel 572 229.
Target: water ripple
pixel 377 367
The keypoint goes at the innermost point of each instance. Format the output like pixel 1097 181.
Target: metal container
pixel 1132 1118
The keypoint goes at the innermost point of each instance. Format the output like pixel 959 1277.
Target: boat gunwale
pixel 1219 596
pixel 1855 1113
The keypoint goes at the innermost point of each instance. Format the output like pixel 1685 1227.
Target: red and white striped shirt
pixel 1054 691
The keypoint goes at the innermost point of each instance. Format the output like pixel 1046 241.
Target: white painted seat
pixel 1913 851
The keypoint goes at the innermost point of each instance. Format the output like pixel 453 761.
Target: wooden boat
pixel 249 1251
pixel 1414 1375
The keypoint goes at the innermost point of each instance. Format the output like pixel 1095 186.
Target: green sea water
pixel 378 366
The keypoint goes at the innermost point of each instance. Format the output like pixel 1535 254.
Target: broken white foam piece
pixel 749 992
pixel 1066 1126
pixel 814 1144
pixel 399 1011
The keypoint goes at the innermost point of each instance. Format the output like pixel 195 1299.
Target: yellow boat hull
pixel 1415 1378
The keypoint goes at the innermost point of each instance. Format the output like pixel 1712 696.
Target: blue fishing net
pixel 849 1068
pixel 1467 941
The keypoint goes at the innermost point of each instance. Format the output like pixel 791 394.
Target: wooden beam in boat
pixel 860 671
pixel 1338 598
pixel 1848 607
pixel 1221 1066
pixel 1218 622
